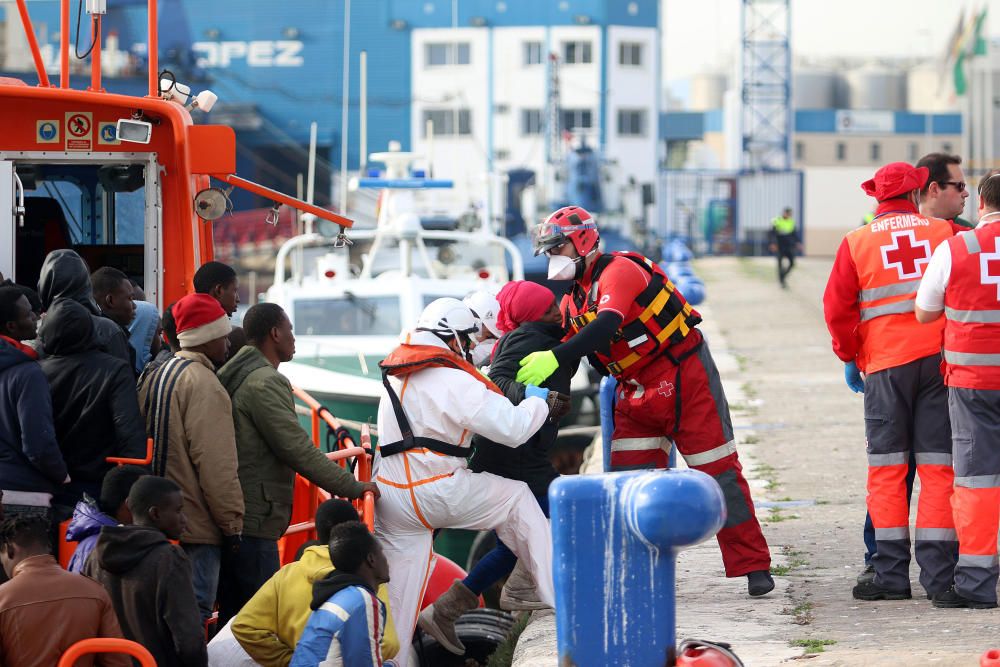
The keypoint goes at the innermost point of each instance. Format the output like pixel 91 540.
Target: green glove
pixel 537 367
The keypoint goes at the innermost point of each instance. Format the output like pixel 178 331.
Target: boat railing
pixel 106 645
pixel 308 496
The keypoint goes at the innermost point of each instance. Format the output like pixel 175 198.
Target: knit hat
pixel 200 318
pixel 522 301
pixel 894 179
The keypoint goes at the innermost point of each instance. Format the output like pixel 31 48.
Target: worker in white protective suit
pixel 484 305
pixel 433 401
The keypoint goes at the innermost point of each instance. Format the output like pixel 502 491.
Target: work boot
pixel 519 593
pixel 952 599
pixel 871 591
pixel 438 619
pixel 867 575
pixel 759 583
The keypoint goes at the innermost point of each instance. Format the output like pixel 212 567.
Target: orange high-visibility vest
pixel 890 255
pixel 972 310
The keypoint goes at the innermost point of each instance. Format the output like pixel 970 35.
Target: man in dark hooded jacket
pixel 149 579
pixel 31 467
pixel 95 403
pixel 65 275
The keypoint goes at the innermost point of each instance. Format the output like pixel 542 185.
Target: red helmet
pixel 569 224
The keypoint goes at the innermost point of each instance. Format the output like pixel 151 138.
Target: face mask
pixel 561 268
pixel 482 353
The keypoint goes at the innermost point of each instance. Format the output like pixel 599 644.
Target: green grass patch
pixel 812 645
pixel 504 655
pixel 802 613
pixel 749 390
pixel 751 440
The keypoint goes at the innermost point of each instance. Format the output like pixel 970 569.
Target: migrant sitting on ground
pixel 346 626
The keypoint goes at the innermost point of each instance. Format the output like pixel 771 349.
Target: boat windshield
pixel 348 315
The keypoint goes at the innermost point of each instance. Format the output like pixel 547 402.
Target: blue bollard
pixel 606 396
pixel 615 541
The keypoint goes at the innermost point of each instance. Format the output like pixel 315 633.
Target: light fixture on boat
pixel 134 131
pixel 204 100
pixel 212 203
pixel 174 91
pixel 330 273
pixel 483 274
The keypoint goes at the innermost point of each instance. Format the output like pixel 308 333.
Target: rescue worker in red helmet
pixel 629 319
pixel 868 305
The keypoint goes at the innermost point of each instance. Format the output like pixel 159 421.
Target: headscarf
pixel 522 301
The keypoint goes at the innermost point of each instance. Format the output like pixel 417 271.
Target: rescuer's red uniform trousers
pixel 684 402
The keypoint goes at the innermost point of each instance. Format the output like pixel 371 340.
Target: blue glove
pixel 853 376
pixel 531 390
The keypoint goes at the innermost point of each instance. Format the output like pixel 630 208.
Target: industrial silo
pixel 814 89
pixel 876 88
pixel 707 90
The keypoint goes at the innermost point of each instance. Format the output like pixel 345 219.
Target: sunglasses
pixel 959 185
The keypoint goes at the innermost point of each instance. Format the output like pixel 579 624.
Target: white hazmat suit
pixel 424 490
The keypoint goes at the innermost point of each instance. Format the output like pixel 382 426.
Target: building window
pixel 800 150
pixel 532 53
pixel 913 151
pixel 440 54
pixel 630 54
pixel 531 121
pixel 577 119
pixel 841 151
pixel 631 123
pixel 577 53
pixel 876 151
pixel 448 122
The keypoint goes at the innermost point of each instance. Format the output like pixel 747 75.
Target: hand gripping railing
pixel 106 645
pixel 307 495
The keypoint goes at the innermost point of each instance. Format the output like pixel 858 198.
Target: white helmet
pixel 448 317
pixel 484 305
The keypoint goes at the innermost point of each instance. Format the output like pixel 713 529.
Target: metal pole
pixel 311 177
pixel 429 131
pixel 363 116
pixel 152 56
pixel 345 91
pixel 95 55
pixel 29 33
pixel 64 44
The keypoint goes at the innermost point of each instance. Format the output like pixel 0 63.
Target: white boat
pixel 349 303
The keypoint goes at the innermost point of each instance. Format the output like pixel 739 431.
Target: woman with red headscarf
pixel 530 320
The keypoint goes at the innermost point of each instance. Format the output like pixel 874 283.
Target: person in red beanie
pixel 530 321
pixel 869 310
pixel 189 416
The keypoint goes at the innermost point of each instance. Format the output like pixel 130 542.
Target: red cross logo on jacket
pixel 989 267
pixel 906 254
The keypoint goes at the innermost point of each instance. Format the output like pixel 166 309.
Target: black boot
pixel 871 591
pixel 759 583
pixel 952 599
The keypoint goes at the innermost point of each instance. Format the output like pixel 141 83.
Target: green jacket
pixel 272 447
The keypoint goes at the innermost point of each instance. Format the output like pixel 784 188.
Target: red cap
pixel 894 179
pixel 200 318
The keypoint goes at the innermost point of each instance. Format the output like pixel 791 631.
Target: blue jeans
pixel 869 528
pixel 498 563
pixel 243 573
pixel 205 559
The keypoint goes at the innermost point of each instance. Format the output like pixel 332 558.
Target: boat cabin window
pixel 348 316
pixel 99 210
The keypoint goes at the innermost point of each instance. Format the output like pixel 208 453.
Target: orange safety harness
pixel 406 360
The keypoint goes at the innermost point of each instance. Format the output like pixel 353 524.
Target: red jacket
pixel 854 335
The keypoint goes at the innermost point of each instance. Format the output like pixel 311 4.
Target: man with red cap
pixel 189 416
pixel 868 305
pixel 629 319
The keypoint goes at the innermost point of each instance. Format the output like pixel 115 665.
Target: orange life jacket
pixel 972 311
pixel 405 360
pixel 659 317
pixel 890 255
